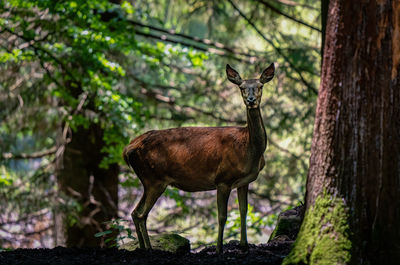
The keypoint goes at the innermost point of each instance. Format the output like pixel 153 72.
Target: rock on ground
pixel 167 242
pixel 288 224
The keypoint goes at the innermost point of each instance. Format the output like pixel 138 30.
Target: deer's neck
pixel 257 134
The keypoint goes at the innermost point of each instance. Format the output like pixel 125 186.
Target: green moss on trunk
pixel 324 234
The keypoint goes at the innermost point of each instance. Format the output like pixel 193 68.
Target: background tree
pixel 62 46
pixel 353 207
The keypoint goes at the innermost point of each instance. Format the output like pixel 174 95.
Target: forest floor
pixel 271 253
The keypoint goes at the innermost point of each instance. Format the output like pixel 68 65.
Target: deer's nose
pixel 251 99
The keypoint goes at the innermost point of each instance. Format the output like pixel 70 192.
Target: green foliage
pixel 174 194
pixel 314 243
pixel 6 179
pixel 79 45
pixel 255 221
pixel 117 227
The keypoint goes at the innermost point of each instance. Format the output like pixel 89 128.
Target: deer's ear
pixel 267 74
pixel 233 76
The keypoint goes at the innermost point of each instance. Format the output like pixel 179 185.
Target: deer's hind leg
pixel 152 192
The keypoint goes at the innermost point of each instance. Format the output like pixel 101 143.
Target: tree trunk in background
pixel 353 185
pixel 94 188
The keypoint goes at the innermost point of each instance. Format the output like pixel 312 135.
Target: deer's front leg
pixel 242 198
pixel 223 192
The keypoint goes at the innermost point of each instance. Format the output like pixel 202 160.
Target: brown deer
pixel 203 158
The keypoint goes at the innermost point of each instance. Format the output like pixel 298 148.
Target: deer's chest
pixel 251 174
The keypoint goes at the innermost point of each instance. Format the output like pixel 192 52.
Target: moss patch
pixel 324 234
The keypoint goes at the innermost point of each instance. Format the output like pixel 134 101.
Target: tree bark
pixel 94 188
pixel 324 19
pixel 353 184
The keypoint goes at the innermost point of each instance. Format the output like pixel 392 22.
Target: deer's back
pixel 190 158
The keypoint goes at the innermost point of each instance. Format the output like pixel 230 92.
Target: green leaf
pixel 100 234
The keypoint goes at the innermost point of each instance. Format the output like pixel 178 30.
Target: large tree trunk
pixel 353 185
pixel 94 188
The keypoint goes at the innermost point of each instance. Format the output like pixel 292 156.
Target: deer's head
pixel 251 88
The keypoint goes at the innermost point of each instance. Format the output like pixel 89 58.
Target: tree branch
pixel 166 38
pixel 285 150
pixel 157 96
pixel 207 42
pixel 278 50
pixel 292 3
pixel 276 10
pixel 34 155
pixel 31 43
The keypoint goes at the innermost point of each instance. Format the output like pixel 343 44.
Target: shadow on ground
pixel 271 253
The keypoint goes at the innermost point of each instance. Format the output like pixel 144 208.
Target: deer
pixel 196 159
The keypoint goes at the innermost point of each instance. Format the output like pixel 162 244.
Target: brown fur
pixel 190 158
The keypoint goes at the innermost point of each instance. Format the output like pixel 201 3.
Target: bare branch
pixel 167 38
pixel 185 109
pixel 207 42
pixel 35 155
pixel 292 3
pixel 276 10
pixel 278 50
pixel 286 150
pixel 40 48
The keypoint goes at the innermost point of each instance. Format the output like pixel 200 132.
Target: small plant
pixel 255 221
pixel 122 232
pixel 5 249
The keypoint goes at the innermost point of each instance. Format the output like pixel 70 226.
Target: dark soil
pixel 271 253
